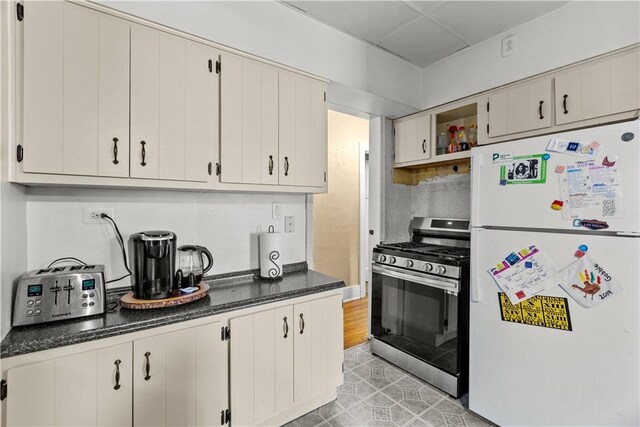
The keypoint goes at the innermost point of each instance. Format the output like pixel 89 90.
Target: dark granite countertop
pixel 227 292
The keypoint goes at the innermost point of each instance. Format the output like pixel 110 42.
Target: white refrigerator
pixel 522 374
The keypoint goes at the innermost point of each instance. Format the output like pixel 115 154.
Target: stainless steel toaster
pixel 59 293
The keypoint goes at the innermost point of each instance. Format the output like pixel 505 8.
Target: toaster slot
pixel 44 270
pixel 58 269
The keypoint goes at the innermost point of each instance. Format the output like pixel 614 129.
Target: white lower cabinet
pixel 89 388
pixel 277 363
pixel 180 378
pixel 284 357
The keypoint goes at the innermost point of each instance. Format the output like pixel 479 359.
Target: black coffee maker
pixel 153 264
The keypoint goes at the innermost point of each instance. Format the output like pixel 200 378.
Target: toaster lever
pixel 68 288
pixel 55 289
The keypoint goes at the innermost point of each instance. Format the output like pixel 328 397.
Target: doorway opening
pixel 340 217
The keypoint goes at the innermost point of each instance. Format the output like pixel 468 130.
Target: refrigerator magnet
pixel 528 169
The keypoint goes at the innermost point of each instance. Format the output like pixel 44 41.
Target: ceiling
pixel 423 32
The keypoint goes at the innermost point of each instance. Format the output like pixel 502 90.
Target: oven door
pixel 417 314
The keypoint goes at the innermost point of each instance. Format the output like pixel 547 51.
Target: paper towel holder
pixel 275 272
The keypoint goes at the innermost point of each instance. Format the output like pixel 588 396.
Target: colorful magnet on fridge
pixel 593 224
pixel 557 205
pixel 512 258
pixel 559 169
pixel 583 248
pixel 503 182
pixel 578 254
pixel 528 264
pixel 606 162
pixel 546 156
pixel 594 145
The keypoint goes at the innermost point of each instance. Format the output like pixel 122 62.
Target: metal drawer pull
pixel 286 327
pixel 301 324
pixel 144 153
pixel 117 386
pixel 271 167
pixel 115 151
pixel 424 148
pixel 564 103
pixel 540 110
pixel 147 366
pixel 286 166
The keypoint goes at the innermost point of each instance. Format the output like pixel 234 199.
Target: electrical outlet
pixel 289 224
pixel 509 45
pixel 93 215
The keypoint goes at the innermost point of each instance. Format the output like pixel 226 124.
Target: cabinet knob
pixel 564 103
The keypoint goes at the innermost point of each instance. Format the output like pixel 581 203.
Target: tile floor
pixel 377 393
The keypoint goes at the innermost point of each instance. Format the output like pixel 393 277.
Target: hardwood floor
pixel 356 322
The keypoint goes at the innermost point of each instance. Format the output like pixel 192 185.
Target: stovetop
pixel 428 249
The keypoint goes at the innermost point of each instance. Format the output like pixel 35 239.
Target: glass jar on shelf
pixel 443 142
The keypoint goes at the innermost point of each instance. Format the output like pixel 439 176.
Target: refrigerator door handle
pixel 476 164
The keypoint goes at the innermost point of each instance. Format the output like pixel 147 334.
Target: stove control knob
pixel 441 269
pixel 382 258
pixel 408 263
pixel 392 260
pixel 428 267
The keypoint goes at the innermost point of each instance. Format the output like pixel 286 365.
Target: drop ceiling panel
pixel 423 32
pixel 423 42
pixel 371 21
pixel 475 21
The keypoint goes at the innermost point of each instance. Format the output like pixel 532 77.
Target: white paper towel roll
pixel 271 255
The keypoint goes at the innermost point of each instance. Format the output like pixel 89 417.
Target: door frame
pixel 364 264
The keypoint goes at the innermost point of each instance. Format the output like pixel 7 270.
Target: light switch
pixel 276 211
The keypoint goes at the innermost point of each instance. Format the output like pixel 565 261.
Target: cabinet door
pixel 406 138
pixel 520 109
pixel 114 382
pixel 145 63
pixel 87 388
pixel 202 112
pixel 326 344
pixel 303 352
pixel 423 147
pixel 284 336
pixel 31 401
pixel 212 374
pixel 113 98
pixel 335 345
pixel 149 365
pixel 241 374
pixel 43 88
pixel 302 130
pixel 625 83
pixel 583 93
pixel 318 123
pixel 231 119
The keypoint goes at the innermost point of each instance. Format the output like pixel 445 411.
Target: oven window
pixel 417 319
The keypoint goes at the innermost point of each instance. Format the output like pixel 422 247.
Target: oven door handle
pixel 440 283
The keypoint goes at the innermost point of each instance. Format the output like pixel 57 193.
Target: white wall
pixel 279 33
pixel 578 31
pixel 227 224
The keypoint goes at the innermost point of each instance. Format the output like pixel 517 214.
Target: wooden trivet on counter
pixel 128 301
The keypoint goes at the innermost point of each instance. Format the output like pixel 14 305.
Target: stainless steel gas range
pixel 420 302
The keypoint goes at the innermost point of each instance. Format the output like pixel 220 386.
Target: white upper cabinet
pixel 164 101
pixel 76 95
pixel 273 125
pixel 249 121
pixel 413 139
pixel 302 127
pixel 521 108
pixel 597 89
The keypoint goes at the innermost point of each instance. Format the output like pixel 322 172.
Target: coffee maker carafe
pixel 153 262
